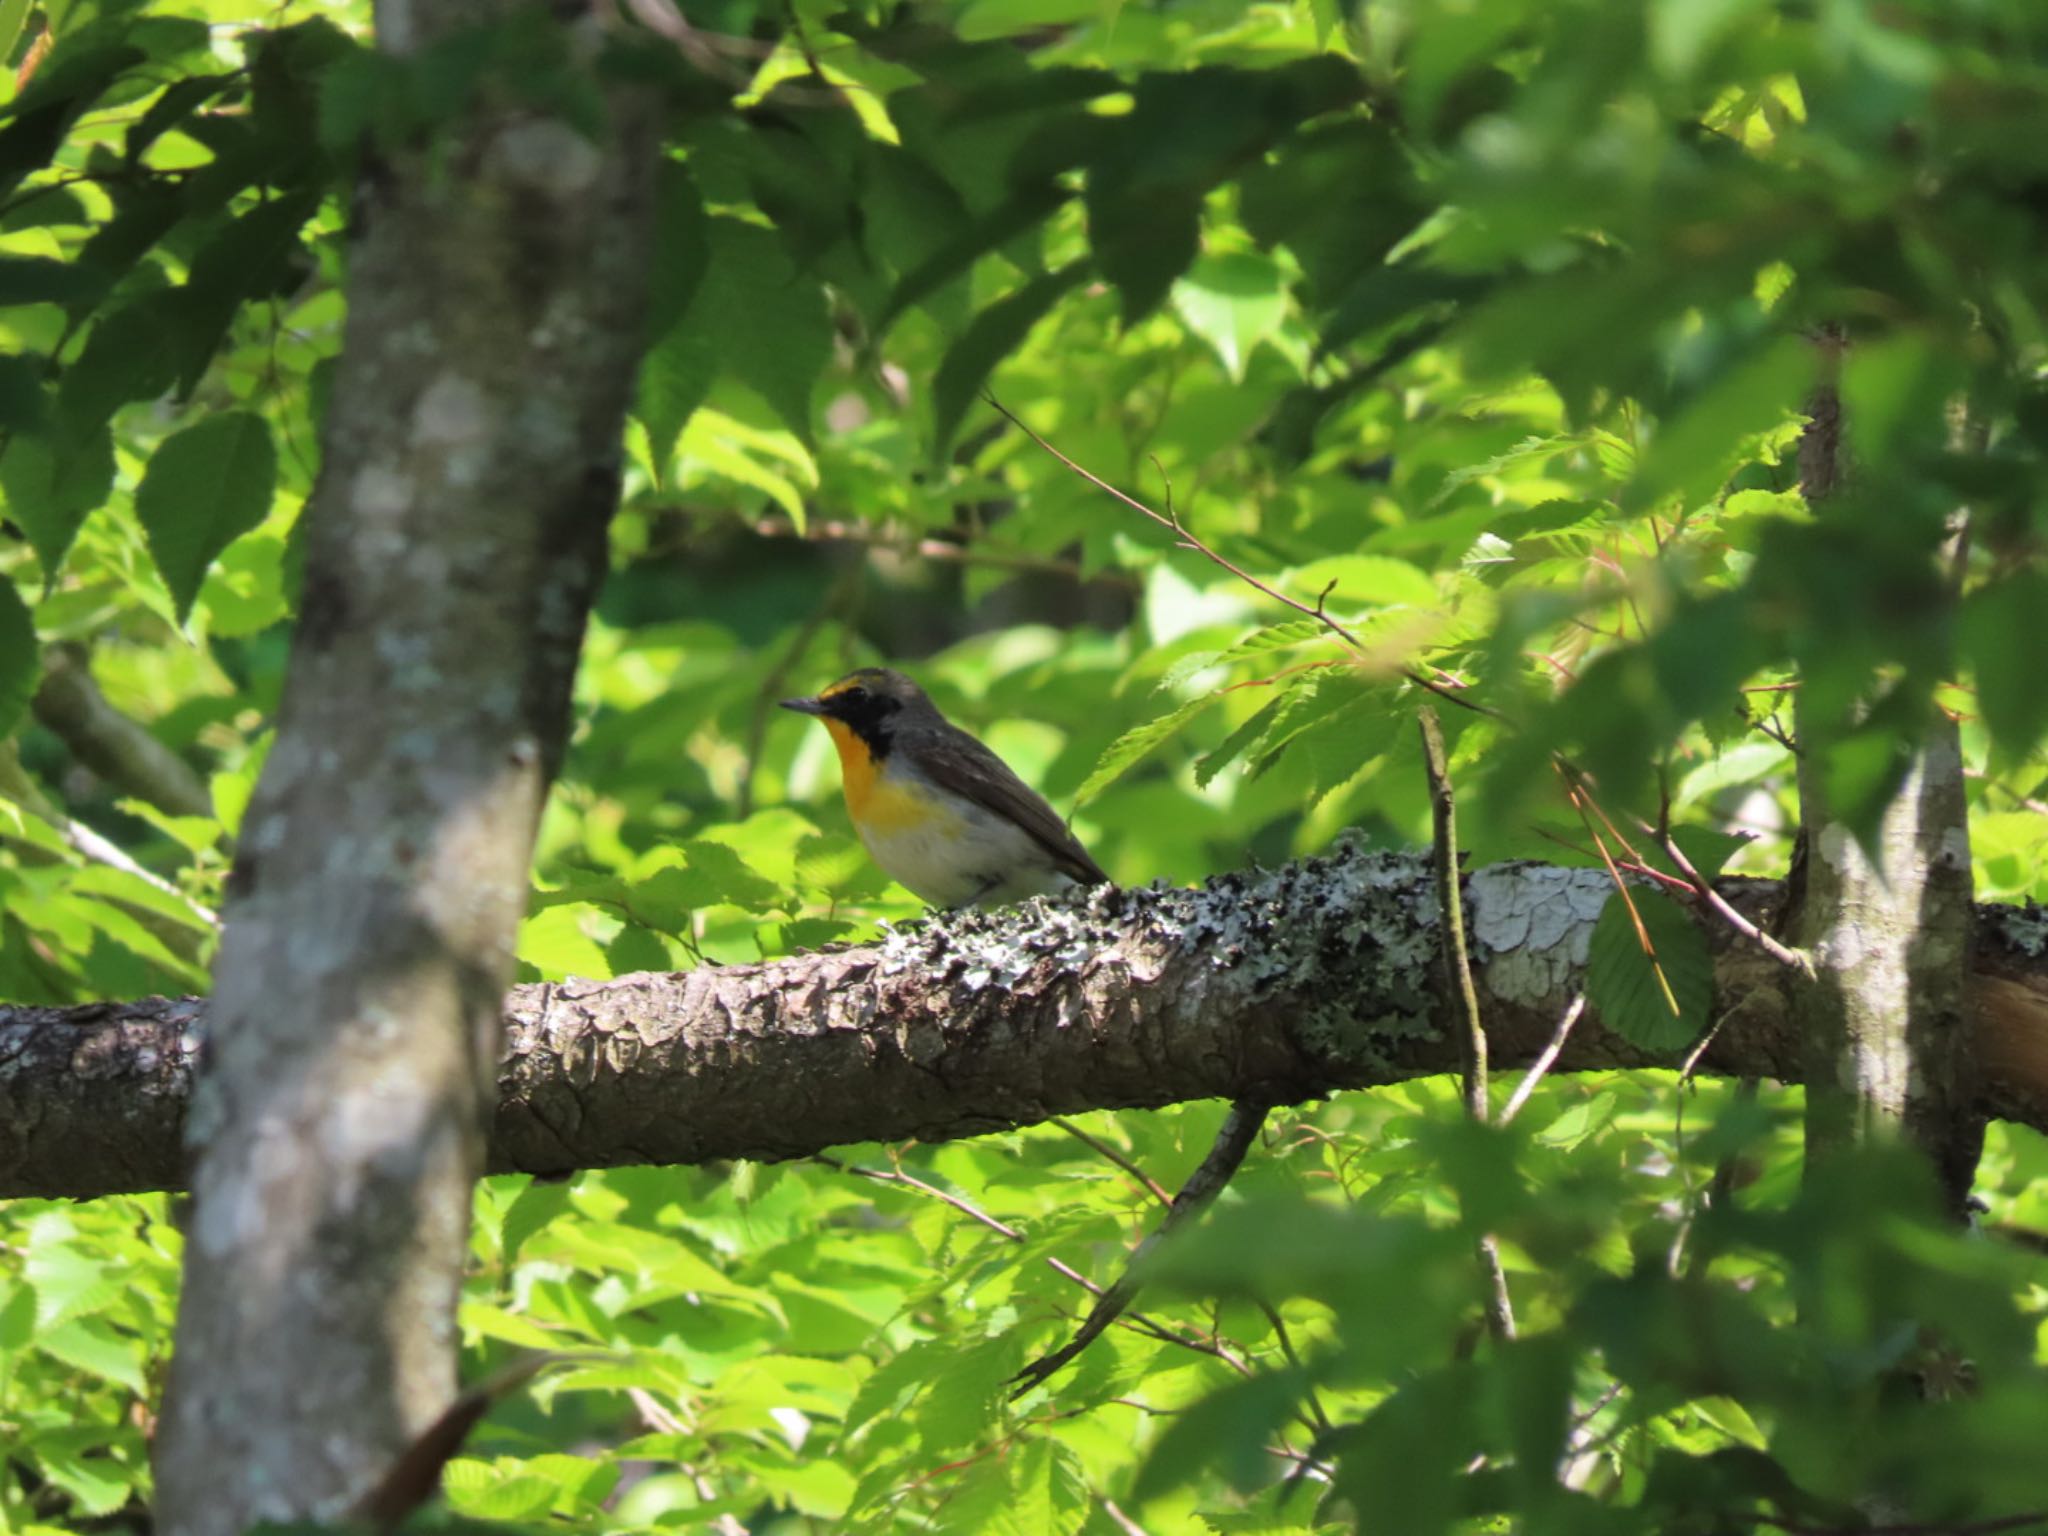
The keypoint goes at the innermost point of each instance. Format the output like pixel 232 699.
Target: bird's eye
pixel 854 695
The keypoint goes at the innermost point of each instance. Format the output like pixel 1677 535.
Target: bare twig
pixel 1500 1311
pixel 1545 1059
pixel 1104 1150
pixel 1240 1129
pixel 1450 894
pixel 926 547
pixel 1190 542
pixel 1060 1267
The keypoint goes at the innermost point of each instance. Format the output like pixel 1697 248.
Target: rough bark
pixel 1886 923
pixel 1288 985
pixel 455 539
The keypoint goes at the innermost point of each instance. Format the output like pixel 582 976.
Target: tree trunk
pixel 982 1021
pixel 455 540
pixel 1887 923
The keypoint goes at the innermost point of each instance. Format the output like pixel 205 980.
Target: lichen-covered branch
pixel 455 539
pixel 1283 985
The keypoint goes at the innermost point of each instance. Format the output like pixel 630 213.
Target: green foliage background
pixel 1478 328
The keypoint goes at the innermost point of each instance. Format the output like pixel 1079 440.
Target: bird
pixel 939 812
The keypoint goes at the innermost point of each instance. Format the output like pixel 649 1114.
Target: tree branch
pixel 1284 985
pixel 69 704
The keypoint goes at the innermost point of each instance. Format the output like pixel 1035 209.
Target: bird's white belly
pixel 958 854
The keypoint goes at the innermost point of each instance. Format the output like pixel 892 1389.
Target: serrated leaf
pixel 1048 1494
pixel 1659 996
pixel 990 337
pixel 18 664
pixel 965 1397
pixel 1274 637
pixel 1233 746
pixel 96 1485
pixel 1134 744
pixel 893 1379
pixel 88 1344
pixel 767 319
pixel 205 486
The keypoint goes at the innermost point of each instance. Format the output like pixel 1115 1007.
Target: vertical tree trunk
pixel 456 538
pixel 1887 925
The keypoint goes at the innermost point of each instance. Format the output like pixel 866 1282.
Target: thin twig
pixel 1544 1060
pixel 952 551
pixel 1323 1423
pixel 1783 953
pixel 1500 1310
pixel 1190 542
pixel 1451 900
pixel 1240 1130
pixel 1104 1150
pixel 1137 1320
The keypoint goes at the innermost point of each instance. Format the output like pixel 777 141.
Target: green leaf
pixel 475 1488
pixel 205 486
pixel 22 403
pixel 52 483
pixel 18 666
pixel 1143 238
pixel 1024 211
pixel 1659 1002
pixel 42 114
pixel 675 376
pixel 994 333
pixel 1998 630
pixel 682 248
pixel 966 1397
pixel 134 353
pixel 767 320
pixel 1225 1432
pixel 1233 302
pixel 531 1210
pixel 96 1485
pixel 89 1344
pixel 1129 748
pixel 40 280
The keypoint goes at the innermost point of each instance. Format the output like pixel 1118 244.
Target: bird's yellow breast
pixel 877 801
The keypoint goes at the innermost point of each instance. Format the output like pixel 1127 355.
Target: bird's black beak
pixel 807 706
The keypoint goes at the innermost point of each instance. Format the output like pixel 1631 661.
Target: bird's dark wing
pixel 969 769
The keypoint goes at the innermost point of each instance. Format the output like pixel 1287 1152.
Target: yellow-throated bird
pixel 943 816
